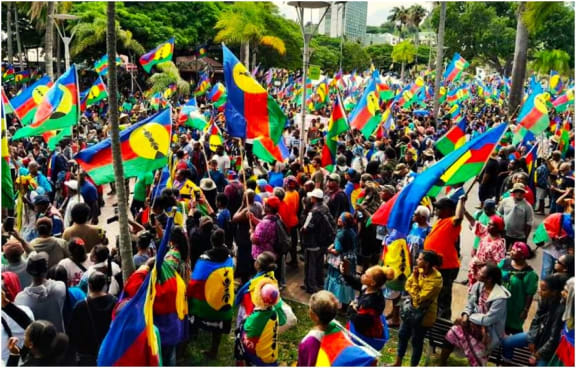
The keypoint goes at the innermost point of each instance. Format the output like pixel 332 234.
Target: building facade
pixel 348 19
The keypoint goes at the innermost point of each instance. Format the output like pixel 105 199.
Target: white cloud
pixel 377 10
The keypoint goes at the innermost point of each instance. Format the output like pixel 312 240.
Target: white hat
pixel 72 184
pixel 316 193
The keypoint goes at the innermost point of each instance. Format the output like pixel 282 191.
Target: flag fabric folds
pixel 211 294
pixel 555 225
pixel 217 95
pixel 214 135
pixel 562 102
pixel 132 339
pixel 455 168
pixel 96 93
pixel 251 113
pixel 25 103
pixel 159 55
pixel 60 107
pixel 191 116
pixel 365 116
pixel 454 138
pixel 454 70
pixel 534 113
pixel 101 65
pixel 336 126
pixel 203 84
pixel 144 147
pixel 338 350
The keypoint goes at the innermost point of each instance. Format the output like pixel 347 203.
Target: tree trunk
pixel 519 67
pixel 402 71
pixel 439 57
pixel 49 39
pixel 245 54
pixel 58 44
pixel 125 241
pixel 9 46
pixel 21 55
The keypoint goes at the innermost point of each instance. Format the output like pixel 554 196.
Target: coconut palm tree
pixel 49 38
pixel 169 74
pixel 439 58
pixel 530 18
pixel 403 52
pixel 243 23
pixel 401 17
pixel 547 60
pixel 125 240
pixel 9 46
pixel 91 31
pixel 416 14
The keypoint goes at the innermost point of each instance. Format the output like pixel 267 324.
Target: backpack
pixel 326 237
pixel 283 242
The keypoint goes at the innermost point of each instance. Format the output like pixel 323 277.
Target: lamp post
pixel 65 39
pixel 307 36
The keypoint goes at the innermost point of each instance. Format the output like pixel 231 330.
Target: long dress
pixel 490 249
pixel 345 244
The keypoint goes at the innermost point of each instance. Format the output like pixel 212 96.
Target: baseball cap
pixel 445 203
pixel 518 187
pixel 334 177
pixel 41 199
pixel 316 193
pixel 37 264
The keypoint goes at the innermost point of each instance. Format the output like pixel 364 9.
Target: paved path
pixel 295 277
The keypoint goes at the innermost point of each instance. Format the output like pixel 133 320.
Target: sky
pixel 377 10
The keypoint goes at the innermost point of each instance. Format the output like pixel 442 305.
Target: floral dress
pixel 345 245
pixel 490 249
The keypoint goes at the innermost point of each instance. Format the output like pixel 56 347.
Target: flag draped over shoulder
pixel 455 168
pixel 25 103
pixel 60 107
pixel 454 70
pixel 251 113
pixel 132 339
pixel 454 138
pixel 338 350
pixel 211 290
pixel 365 116
pixel 191 116
pixel 144 147
pixel 336 126
pixel 7 184
pixel 159 55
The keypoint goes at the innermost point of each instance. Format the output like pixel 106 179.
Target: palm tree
pixel 530 18
pixel 125 241
pixel 91 31
pixel 400 16
pixel 416 14
pixel 439 57
pixel 547 60
pixel 168 75
pixel 18 40
pixel 10 47
pixel 243 23
pixel 49 39
pixel 403 52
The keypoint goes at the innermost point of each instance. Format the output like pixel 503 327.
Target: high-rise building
pixel 347 18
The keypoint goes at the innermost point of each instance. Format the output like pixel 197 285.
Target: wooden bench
pixel 436 339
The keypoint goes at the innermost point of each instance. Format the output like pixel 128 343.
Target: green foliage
pixel 557 33
pixel 381 55
pixel 404 52
pixel 386 27
pixel 547 60
pixel 168 75
pixel 482 30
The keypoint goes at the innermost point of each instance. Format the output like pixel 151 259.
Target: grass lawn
pixel 288 346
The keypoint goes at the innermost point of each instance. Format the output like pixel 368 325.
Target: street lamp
pixel 307 35
pixel 66 40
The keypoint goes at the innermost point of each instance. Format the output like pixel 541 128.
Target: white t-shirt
pixel 223 163
pixel 68 213
pixel 16 330
pixel 74 272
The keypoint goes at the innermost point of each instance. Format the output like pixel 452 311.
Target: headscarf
pixel 498 222
pixel 522 248
pixel 347 220
pixel 10 285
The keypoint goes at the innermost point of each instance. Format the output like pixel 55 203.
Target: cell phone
pixel 9 224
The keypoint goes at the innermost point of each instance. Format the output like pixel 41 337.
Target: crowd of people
pixel 62 279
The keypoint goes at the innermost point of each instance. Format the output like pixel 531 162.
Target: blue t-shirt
pixel 223 218
pixel 89 192
pixel 416 237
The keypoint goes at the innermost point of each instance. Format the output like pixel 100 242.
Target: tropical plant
pixel 169 74
pixel 401 17
pixel 547 60
pixel 125 239
pixel 416 14
pixel 244 23
pixel 403 53
pixel 439 56
pixel 91 32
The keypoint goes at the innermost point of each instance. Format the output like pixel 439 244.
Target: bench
pixel 436 339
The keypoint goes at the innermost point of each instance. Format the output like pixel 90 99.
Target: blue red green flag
pixel 454 138
pixel 25 103
pixel 144 147
pixel 191 116
pixel 58 109
pixel 454 70
pixel 159 55
pixel 366 115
